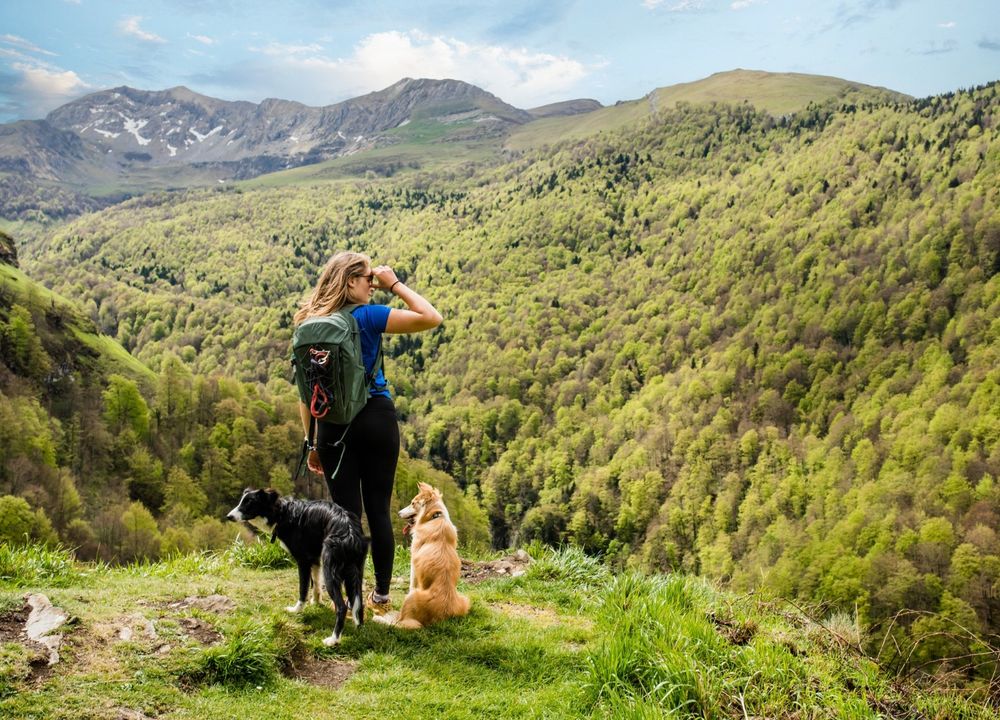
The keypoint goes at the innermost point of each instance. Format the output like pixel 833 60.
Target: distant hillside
pixel 775 93
pixel 568 107
pixel 121 142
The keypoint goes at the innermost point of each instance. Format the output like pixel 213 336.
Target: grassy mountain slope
pixel 774 93
pixel 69 338
pixel 564 640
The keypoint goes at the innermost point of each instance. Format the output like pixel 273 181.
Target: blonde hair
pixel 330 293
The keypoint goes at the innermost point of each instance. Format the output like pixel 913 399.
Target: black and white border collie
pixel 317 534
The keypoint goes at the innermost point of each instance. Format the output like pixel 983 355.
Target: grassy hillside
pixel 774 93
pixel 206 637
pixel 67 335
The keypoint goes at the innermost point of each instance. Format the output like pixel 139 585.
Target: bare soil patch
pixel 12 624
pixel 329 674
pixel 511 566
pixel 733 631
pixel 199 630
pixel 12 630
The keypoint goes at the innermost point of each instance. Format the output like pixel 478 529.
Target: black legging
pixel 366 475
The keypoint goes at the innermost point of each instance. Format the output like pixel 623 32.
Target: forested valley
pixel 763 350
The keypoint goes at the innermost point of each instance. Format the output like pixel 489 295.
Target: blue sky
pixel 319 52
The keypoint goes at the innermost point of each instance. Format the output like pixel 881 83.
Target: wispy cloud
pixel 674 5
pixel 947 25
pixel 22 44
pixel 531 19
pixel 936 48
pixel 303 72
pixel 203 39
pixel 130 26
pixel 282 49
pixel 989 44
pixel 743 4
pixel 856 12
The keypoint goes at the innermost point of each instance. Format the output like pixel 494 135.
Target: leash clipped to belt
pixel 307 446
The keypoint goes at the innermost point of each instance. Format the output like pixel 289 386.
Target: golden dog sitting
pixel 434 564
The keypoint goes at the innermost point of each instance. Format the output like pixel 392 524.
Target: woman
pixel 366 472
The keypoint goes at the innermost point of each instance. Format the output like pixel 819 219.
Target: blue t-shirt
pixel 371 322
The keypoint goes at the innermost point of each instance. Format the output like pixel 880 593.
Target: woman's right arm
pixel 420 314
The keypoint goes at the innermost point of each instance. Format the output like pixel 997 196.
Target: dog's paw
pixel 389 618
pixel 297 607
pixel 331 641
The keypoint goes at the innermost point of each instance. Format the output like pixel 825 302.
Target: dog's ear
pixel 272 494
pixel 427 489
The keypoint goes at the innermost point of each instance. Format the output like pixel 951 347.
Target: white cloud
pixel 40 89
pixel 947 25
pixel 130 26
pixel 203 39
pixel 743 4
pixel 53 83
pixel 516 75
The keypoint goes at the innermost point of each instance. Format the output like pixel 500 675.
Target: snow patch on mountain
pixel 202 138
pixel 133 127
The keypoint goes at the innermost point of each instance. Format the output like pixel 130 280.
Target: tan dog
pixel 434 564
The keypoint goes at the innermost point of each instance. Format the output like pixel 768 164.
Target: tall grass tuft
pixel 254 652
pixel 178 566
pixel 27 565
pixel 656 644
pixel 258 554
pixel 569 564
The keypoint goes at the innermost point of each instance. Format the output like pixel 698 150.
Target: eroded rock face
pixel 42 623
pixel 8 249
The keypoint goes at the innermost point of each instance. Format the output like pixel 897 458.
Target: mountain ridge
pixel 126 141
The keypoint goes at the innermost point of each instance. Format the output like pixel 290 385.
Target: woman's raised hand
pixel 385 276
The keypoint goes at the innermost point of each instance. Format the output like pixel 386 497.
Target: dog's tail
pixel 353 588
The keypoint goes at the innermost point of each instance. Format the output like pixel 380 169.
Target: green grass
pixel 419 152
pixel 548 131
pixel 567 639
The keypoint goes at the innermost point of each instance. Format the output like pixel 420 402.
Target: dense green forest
pixel 765 350
pixel 102 455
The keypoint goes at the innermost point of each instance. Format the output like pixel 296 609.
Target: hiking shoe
pixel 380 604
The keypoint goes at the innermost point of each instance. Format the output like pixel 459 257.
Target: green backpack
pixel 329 370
